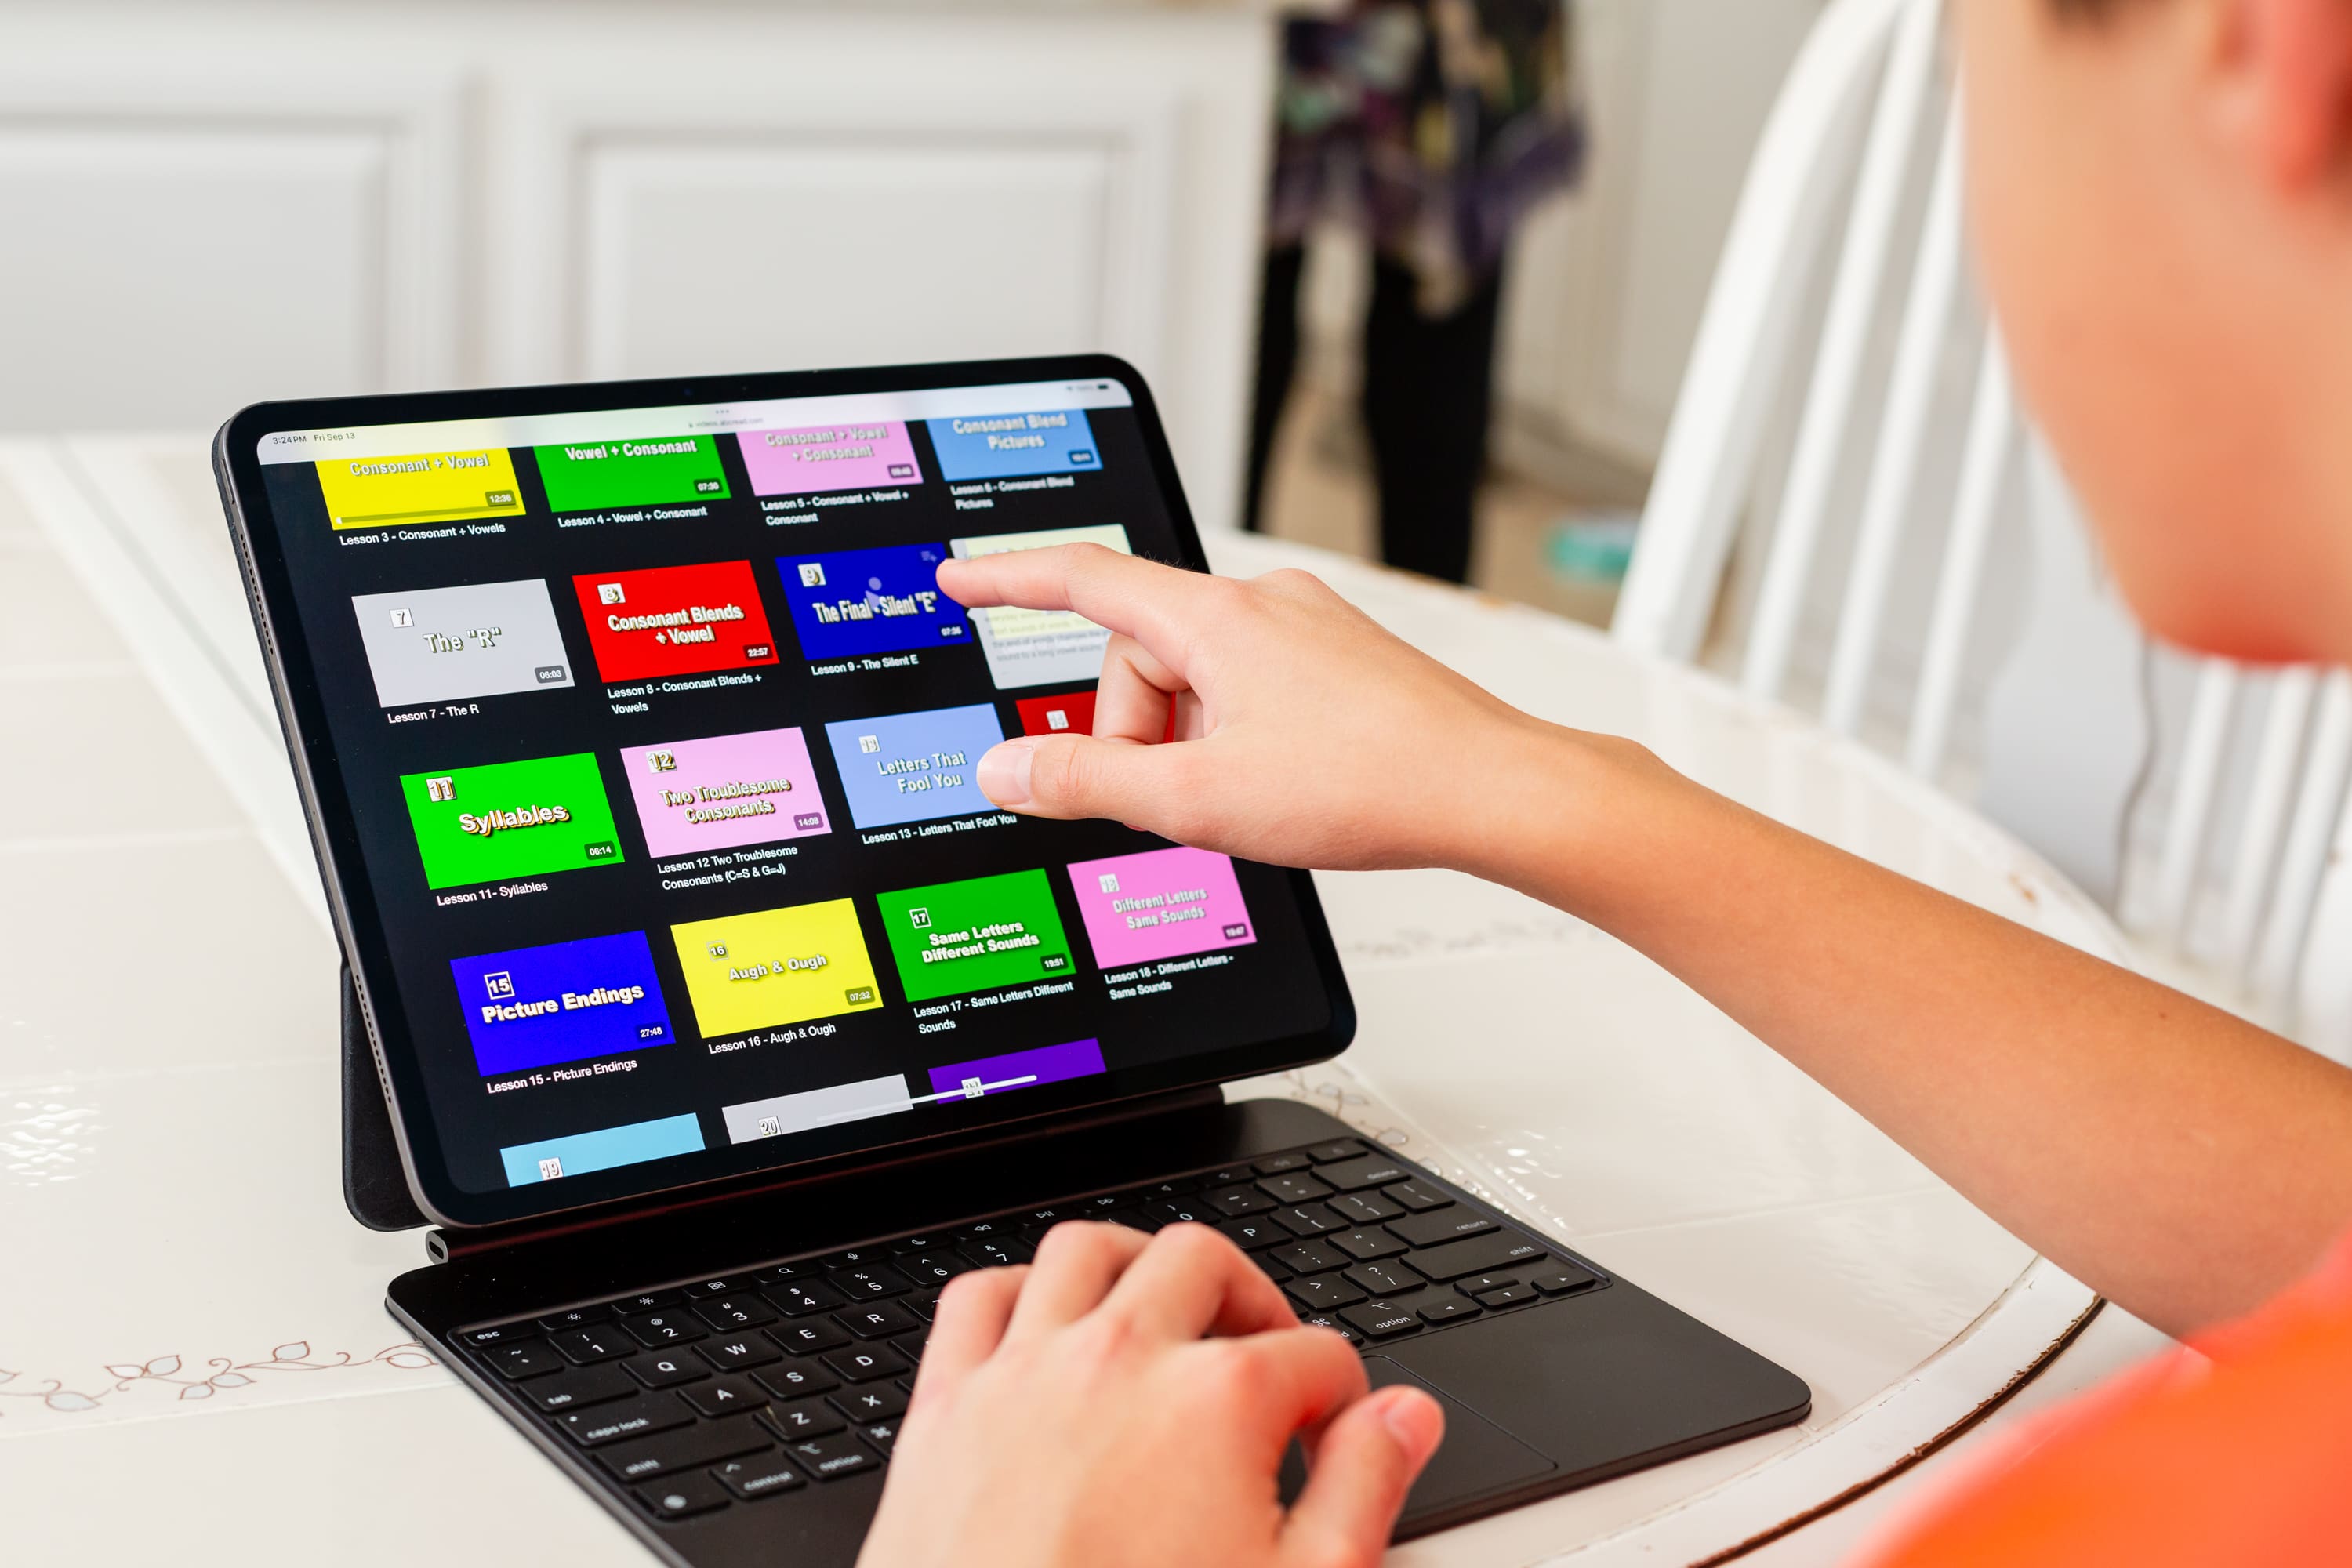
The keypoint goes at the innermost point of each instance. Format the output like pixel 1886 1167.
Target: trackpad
pixel 1476 1458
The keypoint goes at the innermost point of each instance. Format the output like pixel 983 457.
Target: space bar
pixel 1474 1255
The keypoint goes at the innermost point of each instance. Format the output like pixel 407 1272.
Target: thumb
pixel 1078 775
pixel 1368 1456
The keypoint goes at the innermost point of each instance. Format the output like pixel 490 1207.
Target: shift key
pixel 1475 1255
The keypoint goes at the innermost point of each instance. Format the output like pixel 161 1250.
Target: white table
pixel 194 1364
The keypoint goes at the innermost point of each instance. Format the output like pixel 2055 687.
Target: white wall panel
pixel 819 253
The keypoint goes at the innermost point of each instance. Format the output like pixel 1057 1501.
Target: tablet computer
pixel 637 743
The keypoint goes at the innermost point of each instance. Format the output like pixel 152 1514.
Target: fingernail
pixel 1004 771
pixel 1415 1422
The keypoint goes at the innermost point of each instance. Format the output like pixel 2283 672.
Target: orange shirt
pixel 2242 1456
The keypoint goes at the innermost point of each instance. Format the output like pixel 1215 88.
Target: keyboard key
pixel 1101 1203
pixel 1235 1201
pixel 809 1336
pixel 1416 1196
pixel 911 1345
pixel 504 1334
pixel 1446 1309
pixel 761 1475
pixel 784 1274
pixel 1269 1267
pixel 855 1257
pixel 882 1434
pixel 657 1329
pixel 797 1379
pixel 1443 1225
pixel 665 1369
pixel 1507 1296
pixel 869 1402
pixel 802 1297
pixel 1330 1321
pixel 830 1459
pixel 1249 1235
pixel 1340 1149
pixel 993 1252
pixel 1365 1208
pixel 610 1422
pixel 1368 1245
pixel 1178 1211
pixel 932 1267
pixel 1308 1258
pixel 1294 1187
pixel 704 1288
pixel 743 1311
pixel 804 1418
pixel 725 1397
pixel 1496 1251
pixel 861 1362
pixel 682 1496
pixel 532 1358
pixel 703 1442
pixel 1384 1279
pixel 930 1241
pixel 1228 1176
pixel 1134 1220
pixel 1275 1164
pixel 1367 1170
pixel 584 1347
pixel 924 1304
pixel 878 1321
pixel 572 1390
pixel 578 1318
pixel 1382 1319
pixel 988 1229
pixel 739 1353
pixel 867 1284
pixel 1174 1187
pixel 646 1301
pixel 1325 1294
pixel 1561 1279
pixel 1309 1219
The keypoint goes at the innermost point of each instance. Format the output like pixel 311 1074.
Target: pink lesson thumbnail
pixel 866 455
pixel 1161 904
pixel 730 790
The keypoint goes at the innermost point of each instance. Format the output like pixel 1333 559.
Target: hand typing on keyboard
pixel 1128 1399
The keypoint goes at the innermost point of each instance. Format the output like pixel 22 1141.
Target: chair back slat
pixel 2318 795
pixel 1984 464
pixel 1895 466
pixel 1828 411
pixel 2256 858
pixel 2188 825
pixel 1740 355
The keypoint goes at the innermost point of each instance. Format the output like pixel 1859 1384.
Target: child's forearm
pixel 2175 1158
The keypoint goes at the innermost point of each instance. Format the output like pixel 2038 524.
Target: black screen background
pixel 1270 992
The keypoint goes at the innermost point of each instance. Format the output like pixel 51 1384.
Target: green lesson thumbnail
pixel 975 935
pixel 505 820
pixel 660 470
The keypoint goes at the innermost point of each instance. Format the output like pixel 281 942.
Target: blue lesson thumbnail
pixel 888 600
pixel 533 1006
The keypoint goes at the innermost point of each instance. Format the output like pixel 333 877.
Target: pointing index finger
pixel 1154 604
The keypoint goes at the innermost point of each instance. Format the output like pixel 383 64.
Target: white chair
pixel 1844 484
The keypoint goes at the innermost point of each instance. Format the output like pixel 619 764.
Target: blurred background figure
pixel 1433 125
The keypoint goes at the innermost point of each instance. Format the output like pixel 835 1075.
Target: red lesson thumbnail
pixel 674 620
pixel 1072 713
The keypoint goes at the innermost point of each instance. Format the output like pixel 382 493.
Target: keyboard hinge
pixel 445 1245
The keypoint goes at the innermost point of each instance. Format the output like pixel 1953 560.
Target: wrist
pixel 1559 812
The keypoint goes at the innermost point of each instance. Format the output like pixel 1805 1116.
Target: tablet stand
pixel 375 1187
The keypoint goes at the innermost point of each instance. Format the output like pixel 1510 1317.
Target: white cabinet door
pixel 176 247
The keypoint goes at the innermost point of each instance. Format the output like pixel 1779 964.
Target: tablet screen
pixel 643 742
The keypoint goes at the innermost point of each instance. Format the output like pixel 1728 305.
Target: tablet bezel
pixel 350 896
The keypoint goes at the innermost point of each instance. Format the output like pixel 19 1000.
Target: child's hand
pixel 1126 1399
pixel 1306 735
